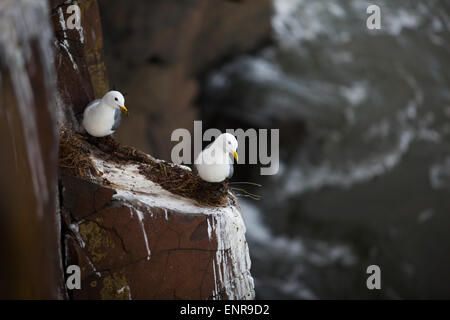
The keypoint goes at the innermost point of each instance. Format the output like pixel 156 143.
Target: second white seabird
pixel 215 163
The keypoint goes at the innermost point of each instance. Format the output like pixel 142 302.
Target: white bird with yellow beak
pixel 215 163
pixel 102 116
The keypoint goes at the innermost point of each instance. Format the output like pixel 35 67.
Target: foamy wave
pixel 270 249
pixel 439 174
pixel 313 178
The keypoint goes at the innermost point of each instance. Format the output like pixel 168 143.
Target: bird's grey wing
pixel 117 117
pixel 96 101
pixel 230 173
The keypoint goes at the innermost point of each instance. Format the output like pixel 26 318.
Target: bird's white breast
pixel 213 165
pixel 98 120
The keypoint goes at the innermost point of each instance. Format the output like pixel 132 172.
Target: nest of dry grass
pixel 75 152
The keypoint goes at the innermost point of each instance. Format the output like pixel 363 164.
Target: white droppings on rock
pixel 140 216
pixel 98 274
pixel 215 293
pixel 74 227
pixel 65 43
pixel 137 189
pixel 121 290
pixel 209 229
pixel 232 258
pixel 141 221
pixel 231 266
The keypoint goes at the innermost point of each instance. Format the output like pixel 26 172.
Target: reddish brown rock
pixel 79 58
pixel 146 243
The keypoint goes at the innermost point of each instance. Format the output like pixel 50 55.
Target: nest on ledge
pixel 75 152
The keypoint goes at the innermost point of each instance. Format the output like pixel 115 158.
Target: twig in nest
pixel 246 182
pixel 77 151
pixel 246 193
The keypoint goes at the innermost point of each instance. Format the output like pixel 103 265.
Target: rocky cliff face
pixel 80 67
pixel 138 227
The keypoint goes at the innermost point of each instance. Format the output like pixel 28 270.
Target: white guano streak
pixel 65 43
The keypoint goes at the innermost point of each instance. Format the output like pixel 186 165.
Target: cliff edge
pixel 141 228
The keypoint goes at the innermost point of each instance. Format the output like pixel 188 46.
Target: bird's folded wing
pixel 230 174
pixel 96 101
pixel 117 117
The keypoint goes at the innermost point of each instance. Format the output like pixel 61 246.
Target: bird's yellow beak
pixel 124 109
pixel 235 155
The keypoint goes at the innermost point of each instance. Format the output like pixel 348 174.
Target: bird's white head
pixel 228 143
pixel 115 100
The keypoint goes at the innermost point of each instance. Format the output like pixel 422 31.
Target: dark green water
pixel 364 117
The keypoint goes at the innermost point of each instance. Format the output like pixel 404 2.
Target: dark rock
pixel 79 58
pixel 156 51
pixel 85 198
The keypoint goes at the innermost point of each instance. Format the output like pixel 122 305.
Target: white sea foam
pixel 439 174
pixel 265 244
pixel 402 19
pixel 356 93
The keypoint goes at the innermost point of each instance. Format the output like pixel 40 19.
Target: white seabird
pixel 102 116
pixel 215 163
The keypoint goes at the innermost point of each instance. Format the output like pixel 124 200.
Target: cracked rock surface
pixel 135 240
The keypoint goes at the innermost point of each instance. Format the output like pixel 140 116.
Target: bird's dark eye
pixel 116 99
pixel 229 142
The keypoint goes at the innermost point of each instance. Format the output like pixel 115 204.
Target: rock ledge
pixel 136 240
